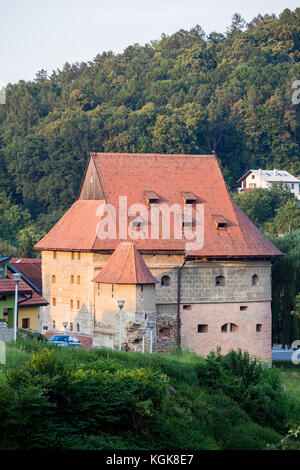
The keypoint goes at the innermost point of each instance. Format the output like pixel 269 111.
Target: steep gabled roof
pixel 169 176
pixel 125 266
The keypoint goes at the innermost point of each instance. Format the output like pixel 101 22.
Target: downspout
pixel 178 302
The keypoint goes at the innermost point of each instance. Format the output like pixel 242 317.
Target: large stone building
pixel 214 292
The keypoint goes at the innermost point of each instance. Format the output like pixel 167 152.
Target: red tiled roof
pixel 31 268
pixel 7 286
pixel 169 176
pixel 35 301
pixel 125 266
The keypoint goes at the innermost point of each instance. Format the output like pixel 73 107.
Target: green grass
pixel 200 403
pixel 290 377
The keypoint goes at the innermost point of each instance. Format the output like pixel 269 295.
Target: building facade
pixel 214 294
pixel 265 178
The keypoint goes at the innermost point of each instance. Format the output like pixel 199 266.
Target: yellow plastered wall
pixel 32 313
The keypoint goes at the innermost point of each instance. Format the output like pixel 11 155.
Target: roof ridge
pixel 124 154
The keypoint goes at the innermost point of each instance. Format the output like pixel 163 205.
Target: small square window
pixel 243 307
pixel 258 327
pixel 187 307
pixel 202 328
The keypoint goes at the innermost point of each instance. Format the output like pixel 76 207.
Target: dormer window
pixel 220 221
pixel 189 198
pixel 152 197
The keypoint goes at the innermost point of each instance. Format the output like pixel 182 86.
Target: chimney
pixel 259 172
pixel 275 172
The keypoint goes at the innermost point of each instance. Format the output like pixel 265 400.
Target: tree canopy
pixel 188 92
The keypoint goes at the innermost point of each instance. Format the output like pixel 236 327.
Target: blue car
pixel 66 341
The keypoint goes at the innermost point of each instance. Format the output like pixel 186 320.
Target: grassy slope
pixel 197 418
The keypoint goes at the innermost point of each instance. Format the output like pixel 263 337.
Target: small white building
pixel 265 178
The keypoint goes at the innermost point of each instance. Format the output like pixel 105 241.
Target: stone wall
pixel 198 283
pixel 201 300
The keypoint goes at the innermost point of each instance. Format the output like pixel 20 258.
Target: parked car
pixel 66 341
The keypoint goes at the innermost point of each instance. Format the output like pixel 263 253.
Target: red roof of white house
pixel 125 266
pixel 171 178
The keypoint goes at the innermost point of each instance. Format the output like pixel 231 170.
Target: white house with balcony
pixel 265 178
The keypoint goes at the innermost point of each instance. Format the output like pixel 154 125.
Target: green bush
pixel 59 398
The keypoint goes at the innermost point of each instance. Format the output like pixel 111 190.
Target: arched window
pixel 220 281
pixel 229 328
pixel 78 327
pixel 53 324
pixel 165 281
pixel 254 279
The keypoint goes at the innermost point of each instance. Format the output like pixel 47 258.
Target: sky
pixel 45 34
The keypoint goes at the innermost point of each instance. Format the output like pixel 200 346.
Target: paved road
pixel 282 354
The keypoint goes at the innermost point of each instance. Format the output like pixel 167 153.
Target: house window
pixel 78 304
pixel 220 281
pixel 54 254
pixel 53 324
pixel 253 177
pixel 72 279
pixel 142 288
pixel 53 279
pixel 258 327
pixel 78 327
pixel 229 328
pixel 243 307
pixel 78 279
pixel 72 255
pixel 112 290
pixel 78 255
pixel 2 297
pixel 165 281
pixel 71 326
pixel 254 280
pixel 187 307
pixel 202 328
pixel 71 303
pixel 25 322
pixel 54 301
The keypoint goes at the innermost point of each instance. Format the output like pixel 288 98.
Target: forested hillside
pixel 188 92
